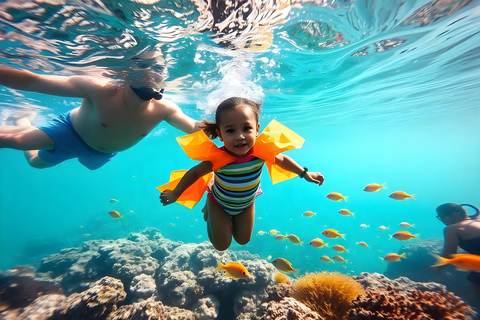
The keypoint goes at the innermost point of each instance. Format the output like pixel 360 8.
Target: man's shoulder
pixel 166 106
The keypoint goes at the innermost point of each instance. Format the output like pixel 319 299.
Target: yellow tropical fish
pixel 332 233
pixel 404 235
pixel 260 233
pixel 326 259
pixel 363 244
pixel 336 196
pixel 272 232
pixel 400 195
pixel 280 237
pixel 382 228
pixel 318 243
pixel 234 270
pixel 284 265
pixel 374 187
pixel 294 239
pixel 463 261
pixel 269 257
pixel 339 248
pixel 309 213
pixel 338 259
pixel 114 214
pixel 391 257
pixel 406 225
pixel 346 212
pixel 113 200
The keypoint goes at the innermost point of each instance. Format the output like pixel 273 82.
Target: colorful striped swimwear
pixel 236 184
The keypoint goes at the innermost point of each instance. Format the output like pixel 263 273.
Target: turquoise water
pixel 407 116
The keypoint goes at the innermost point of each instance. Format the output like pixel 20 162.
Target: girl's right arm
pixel 170 196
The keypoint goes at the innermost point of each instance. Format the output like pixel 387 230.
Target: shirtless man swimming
pixel 113 117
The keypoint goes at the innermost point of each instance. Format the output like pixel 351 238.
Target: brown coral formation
pixel 327 293
pixel 151 310
pixel 290 309
pixel 385 304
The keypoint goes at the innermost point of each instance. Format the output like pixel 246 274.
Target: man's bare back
pixel 111 118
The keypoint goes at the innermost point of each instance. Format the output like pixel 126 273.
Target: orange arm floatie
pixel 275 139
pixel 199 147
pixel 193 194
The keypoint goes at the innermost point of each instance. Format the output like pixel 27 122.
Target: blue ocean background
pixel 406 115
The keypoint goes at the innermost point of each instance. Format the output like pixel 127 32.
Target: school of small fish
pixel 285 266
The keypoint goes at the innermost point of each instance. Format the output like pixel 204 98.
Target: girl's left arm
pixel 287 163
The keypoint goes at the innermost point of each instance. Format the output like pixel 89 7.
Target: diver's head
pixel 146 76
pixel 450 213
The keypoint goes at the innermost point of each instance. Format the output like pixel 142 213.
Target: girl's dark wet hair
pixel 447 209
pixel 210 128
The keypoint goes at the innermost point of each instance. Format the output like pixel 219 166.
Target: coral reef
pixel 290 309
pixel 150 310
pixel 327 293
pixel 401 284
pixel 385 304
pixel 154 268
pixel 18 288
pixel 146 276
pixel 417 267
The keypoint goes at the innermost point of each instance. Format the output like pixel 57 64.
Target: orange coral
pixel 385 304
pixel 281 278
pixel 327 293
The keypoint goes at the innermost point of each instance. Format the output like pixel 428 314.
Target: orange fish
pixel 318 243
pixel 115 214
pixel 363 244
pixel 400 195
pixel 309 213
pixel 374 187
pixel 404 235
pixel 346 212
pixel 326 259
pixel 336 196
pixel 284 265
pixel 463 261
pixel 331 233
pixel 339 248
pixel 339 259
pixel 294 239
pixel 391 257
pixel 234 270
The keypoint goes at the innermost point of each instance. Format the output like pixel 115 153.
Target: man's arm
pixel 176 118
pixel 73 86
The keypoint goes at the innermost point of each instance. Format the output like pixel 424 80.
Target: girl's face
pixel 238 129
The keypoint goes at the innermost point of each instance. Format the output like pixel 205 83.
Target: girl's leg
pixel 242 225
pixel 219 224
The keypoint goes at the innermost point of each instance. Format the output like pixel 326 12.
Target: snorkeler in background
pixel 461 231
pixel 112 117
pixel 229 210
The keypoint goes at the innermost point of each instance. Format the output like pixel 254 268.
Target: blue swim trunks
pixel 69 145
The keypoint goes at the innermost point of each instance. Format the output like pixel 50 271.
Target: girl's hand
pixel 315 177
pixel 168 197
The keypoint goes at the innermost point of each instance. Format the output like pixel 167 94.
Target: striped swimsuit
pixel 236 184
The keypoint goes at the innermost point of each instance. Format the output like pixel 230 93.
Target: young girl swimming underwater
pixel 229 210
